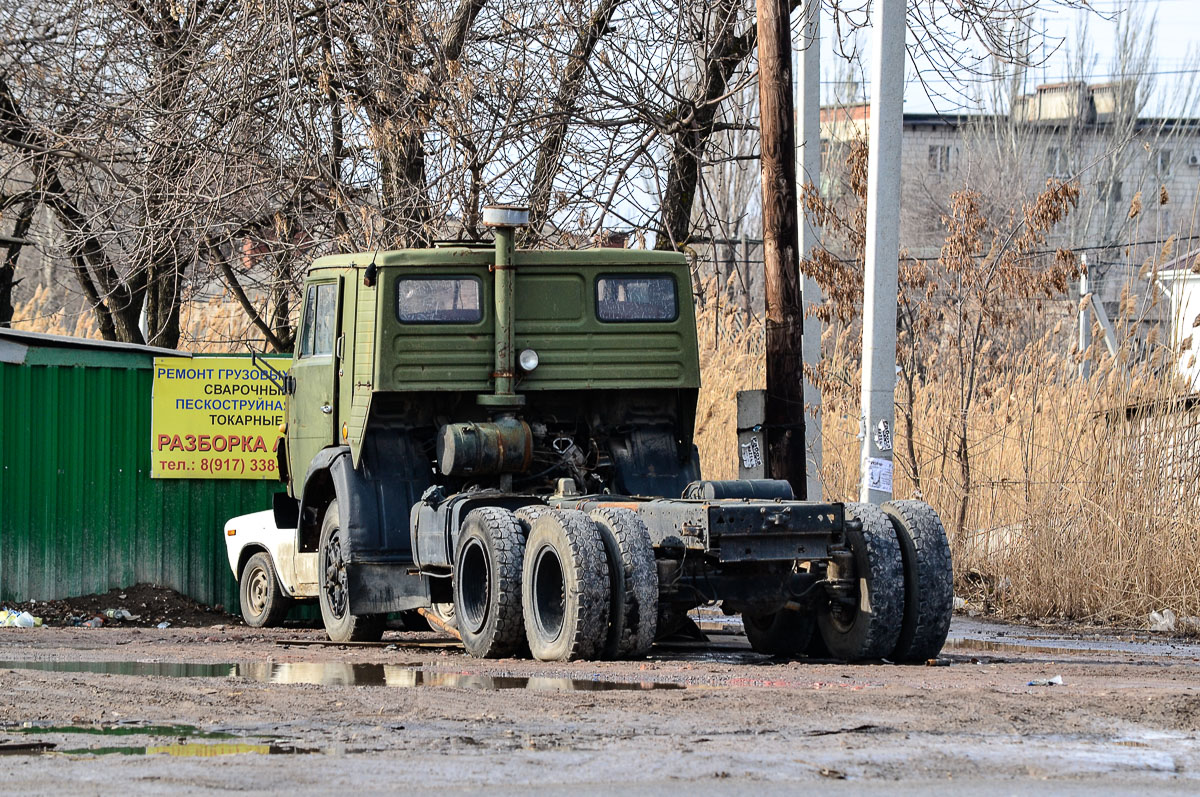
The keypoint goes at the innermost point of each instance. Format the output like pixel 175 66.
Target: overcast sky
pixel 1177 45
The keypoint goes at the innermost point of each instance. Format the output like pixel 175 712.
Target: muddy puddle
pixel 1061 646
pixel 188 741
pixel 337 674
pixel 179 731
pixel 178 749
pixel 193 750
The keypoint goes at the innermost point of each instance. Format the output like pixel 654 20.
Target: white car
pixel 271 575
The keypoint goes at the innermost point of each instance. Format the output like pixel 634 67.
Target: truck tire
pixel 334 595
pixel 928 580
pixel 565 588
pixel 264 604
pixel 633 608
pixel 529 513
pixel 487 583
pixel 783 633
pixel 870 628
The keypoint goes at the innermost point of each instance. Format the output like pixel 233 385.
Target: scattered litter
pixel 959 603
pixel 1055 681
pixel 1162 621
pixel 95 622
pixel 163 624
pixel 12 619
pixel 937 662
pixel 119 614
pixel 835 731
pixel 823 771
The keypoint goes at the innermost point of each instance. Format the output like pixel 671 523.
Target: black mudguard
pixel 374 501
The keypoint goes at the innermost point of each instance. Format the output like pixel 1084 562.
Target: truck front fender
pixel 373 500
pixel 319 488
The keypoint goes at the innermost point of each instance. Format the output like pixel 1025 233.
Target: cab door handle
pixel 326 408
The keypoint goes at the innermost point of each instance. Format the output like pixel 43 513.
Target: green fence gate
pixel 80 512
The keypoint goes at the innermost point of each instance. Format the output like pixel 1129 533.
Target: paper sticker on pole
pixel 215 418
pixel 879 474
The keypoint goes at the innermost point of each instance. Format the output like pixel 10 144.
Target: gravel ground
pixel 120 713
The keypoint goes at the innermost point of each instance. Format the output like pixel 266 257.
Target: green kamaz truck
pixel 502 439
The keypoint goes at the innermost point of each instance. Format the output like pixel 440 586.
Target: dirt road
pixel 134 711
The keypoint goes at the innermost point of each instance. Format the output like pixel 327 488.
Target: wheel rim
pixel 335 575
pixel 257 590
pixel 549 593
pixel 841 615
pixel 474 586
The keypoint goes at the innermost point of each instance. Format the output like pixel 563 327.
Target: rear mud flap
pixel 379 588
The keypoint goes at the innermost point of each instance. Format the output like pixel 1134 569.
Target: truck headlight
pixel 528 360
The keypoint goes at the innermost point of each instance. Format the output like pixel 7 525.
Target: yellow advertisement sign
pixel 215 418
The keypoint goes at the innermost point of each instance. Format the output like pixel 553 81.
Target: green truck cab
pixel 502 439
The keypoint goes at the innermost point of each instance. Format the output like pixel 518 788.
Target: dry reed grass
pixel 214 325
pixel 1082 506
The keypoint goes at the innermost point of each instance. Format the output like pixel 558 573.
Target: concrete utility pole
pixel 883 251
pixel 781 265
pixel 1085 324
pixel 808 170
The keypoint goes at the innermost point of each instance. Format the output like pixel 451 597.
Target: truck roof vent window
pixel 636 297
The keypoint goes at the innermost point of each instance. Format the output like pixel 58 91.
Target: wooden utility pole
pixel 785 318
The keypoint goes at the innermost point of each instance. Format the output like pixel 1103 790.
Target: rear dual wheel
pixel 867 628
pixel 903 599
pixel 633 582
pixel 565 584
pixel 565 587
pixel 928 580
pixel 487 583
pixel 870 627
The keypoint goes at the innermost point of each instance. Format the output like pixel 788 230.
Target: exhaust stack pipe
pixel 504 219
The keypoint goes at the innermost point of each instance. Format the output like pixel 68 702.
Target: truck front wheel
pixel 334 597
pixel 869 627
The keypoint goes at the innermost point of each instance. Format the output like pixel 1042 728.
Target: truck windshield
pixel 636 298
pixel 439 300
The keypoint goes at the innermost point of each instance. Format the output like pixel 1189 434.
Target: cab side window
pixel 320 316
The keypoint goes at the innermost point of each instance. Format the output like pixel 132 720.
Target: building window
pixel 1162 161
pixel 939 158
pixel 1110 191
pixel 1056 163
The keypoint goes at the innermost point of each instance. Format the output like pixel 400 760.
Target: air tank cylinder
pixel 482 449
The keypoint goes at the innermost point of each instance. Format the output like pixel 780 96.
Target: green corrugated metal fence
pixel 80 513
